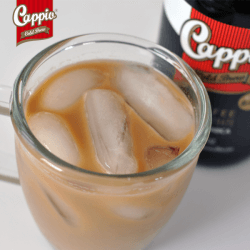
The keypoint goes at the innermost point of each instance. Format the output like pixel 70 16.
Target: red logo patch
pixel 33 20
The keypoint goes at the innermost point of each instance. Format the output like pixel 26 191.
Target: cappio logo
pixel 221 61
pixel 207 51
pixel 33 20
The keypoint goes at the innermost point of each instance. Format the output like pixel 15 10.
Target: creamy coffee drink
pixel 111 117
pixel 108 117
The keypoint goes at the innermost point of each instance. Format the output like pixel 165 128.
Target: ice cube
pixel 157 156
pixel 54 135
pixel 68 88
pixel 134 212
pixel 63 210
pixel 155 102
pixel 108 124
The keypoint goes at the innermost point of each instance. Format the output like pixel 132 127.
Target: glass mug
pixel 79 209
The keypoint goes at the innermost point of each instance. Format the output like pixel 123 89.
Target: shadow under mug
pixel 79 209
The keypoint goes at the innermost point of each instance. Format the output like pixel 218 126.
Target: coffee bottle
pixel 213 37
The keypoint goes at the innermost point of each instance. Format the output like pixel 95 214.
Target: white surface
pixel 214 213
pixel 178 12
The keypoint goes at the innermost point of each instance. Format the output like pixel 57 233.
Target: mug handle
pixel 8 167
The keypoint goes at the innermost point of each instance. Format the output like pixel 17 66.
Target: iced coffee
pixel 107 117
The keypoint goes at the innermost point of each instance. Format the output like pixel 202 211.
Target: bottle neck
pixel 217 5
pixel 233 12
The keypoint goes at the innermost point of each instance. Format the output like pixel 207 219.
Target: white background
pixel 214 213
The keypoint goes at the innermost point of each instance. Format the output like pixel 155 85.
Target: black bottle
pixel 213 37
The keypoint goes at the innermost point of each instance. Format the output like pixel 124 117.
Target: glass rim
pixel 193 149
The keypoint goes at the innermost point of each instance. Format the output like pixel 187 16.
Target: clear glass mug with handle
pixel 79 209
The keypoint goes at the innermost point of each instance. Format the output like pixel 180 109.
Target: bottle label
pixel 220 55
pixel 218 52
